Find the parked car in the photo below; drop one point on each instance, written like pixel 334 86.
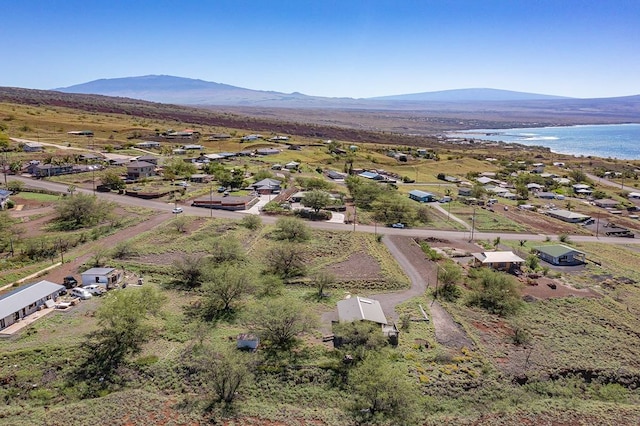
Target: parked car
pixel 80 293
pixel 177 210
pixel 95 289
pixel 445 199
pixel 221 189
pixel 69 282
pixel 398 225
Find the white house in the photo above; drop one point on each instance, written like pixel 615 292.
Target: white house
pixel 26 300
pixel 107 277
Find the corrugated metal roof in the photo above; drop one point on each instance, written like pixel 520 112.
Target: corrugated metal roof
pixel 98 271
pixel 557 250
pixel 360 308
pixel 498 257
pixel 25 296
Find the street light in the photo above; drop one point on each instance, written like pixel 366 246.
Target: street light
pixel 473 223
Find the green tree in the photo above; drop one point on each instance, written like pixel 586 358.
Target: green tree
pixel 251 222
pixel 578 175
pixel 363 192
pixel 381 392
pixel 227 249
pixel 391 208
pixel 286 260
pixel 176 168
pixel 532 262
pixel 224 287
pixel 112 180
pixel 449 274
pixel 225 372
pixel 292 230
pixel 313 183
pixel 123 329
pixel 188 271
pixel 80 211
pixel 322 281
pixel 358 338
pixel 478 191
pixel 278 322
pixel 316 200
pixel 496 292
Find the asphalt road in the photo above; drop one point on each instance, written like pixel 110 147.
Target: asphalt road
pixel 413 232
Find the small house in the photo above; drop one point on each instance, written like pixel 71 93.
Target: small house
pixel 148 144
pixel 421 196
pixel 568 216
pixel 192 147
pixel 560 255
pixel 200 178
pixel 292 165
pixel 48 170
pixel 32 147
pixel 107 277
pixel 371 175
pixel 465 192
pixel 267 151
pixel 363 309
pixel 499 260
pixel 546 195
pixel 266 186
pixel 87 133
pixel 606 203
pixel 26 300
pixel 331 174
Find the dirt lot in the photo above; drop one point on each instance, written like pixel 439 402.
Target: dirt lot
pixel 539 222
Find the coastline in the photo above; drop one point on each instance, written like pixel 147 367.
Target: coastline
pixel 619 141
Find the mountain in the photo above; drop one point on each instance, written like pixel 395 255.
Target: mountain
pixel 178 90
pixel 469 95
pixel 186 91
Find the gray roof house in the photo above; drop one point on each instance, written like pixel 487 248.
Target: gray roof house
pixel 140 169
pixel 363 309
pixel 266 186
pixel 107 277
pixel 560 255
pixel 26 300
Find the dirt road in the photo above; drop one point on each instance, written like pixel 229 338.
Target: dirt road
pixel 422 273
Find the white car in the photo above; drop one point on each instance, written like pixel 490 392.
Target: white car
pixel 95 289
pixel 80 293
pixel 177 210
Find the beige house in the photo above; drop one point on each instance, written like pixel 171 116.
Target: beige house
pixel 140 169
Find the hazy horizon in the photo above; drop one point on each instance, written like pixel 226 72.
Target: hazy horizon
pixel 356 49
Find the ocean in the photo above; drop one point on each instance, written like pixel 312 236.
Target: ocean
pixel 607 141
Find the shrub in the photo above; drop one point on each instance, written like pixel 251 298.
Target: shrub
pixel 497 292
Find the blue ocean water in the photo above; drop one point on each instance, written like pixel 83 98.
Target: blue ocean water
pixel 608 141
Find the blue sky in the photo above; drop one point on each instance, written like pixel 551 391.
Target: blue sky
pixel 352 48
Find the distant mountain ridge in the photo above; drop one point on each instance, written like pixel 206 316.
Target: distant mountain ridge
pixel 187 91
pixel 460 95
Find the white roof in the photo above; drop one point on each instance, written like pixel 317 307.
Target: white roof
pixel 498 257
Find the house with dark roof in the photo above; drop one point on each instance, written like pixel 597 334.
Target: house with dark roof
pixel 266 186
pixel 421 196
pixel 560 255
pixel 27 300
pixel 47 170
pixel 606 203
pixel 149 159
pixel 226 202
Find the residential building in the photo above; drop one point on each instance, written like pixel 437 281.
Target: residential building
pixel 363 309
pixel 500 260
pixel 140 169
pixel 560 255
pixel 32 147
pixel 26 300
pixel 421 196
pixel 107 277
pixel 568 216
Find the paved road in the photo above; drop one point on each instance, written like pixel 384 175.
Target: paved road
pixel 413 232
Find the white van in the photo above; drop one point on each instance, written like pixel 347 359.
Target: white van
pixel 81 293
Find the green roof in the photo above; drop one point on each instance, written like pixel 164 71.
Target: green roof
pixel 556 250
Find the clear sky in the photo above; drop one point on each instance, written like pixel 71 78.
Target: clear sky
pixel 352 48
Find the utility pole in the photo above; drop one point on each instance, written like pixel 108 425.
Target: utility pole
pixel 355 216
pixel 211 201
pixel 473 223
